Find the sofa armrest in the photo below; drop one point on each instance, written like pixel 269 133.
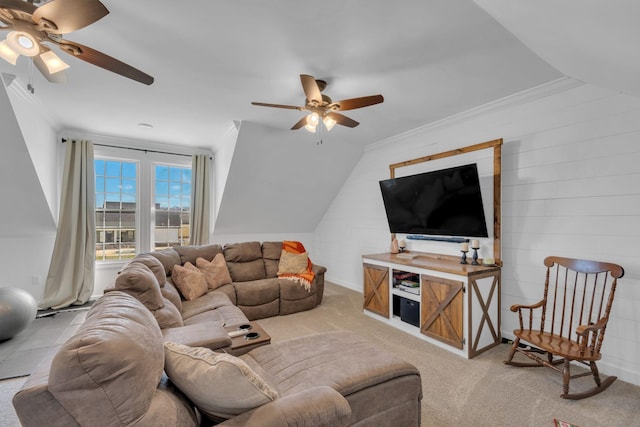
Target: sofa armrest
pixel 318 406
pixel 319 281
pixel 198 335
pixel 318 269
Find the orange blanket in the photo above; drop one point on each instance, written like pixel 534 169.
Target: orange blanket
pixel 304 278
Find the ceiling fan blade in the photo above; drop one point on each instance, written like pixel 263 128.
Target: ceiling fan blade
pixel 343 120
pixel 289 107
pixel 70 15
pixel 299 123
pixel 311 89
pixel 105 61
pixel 353 103
pixel 18 5
pixel 59 77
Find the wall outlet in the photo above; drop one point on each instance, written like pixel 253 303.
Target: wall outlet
pixel 35 280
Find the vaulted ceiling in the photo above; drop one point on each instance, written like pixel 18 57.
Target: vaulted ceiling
pixel 210 59
pixel 430 59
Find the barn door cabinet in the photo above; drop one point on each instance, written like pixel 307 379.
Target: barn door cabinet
pixel 454 306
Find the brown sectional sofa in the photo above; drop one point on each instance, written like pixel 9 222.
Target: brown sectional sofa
pixel 111 372
pixel 120 368
pixel 255 289
pixel 254 292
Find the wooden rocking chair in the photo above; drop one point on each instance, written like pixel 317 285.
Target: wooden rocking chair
pixel 573 318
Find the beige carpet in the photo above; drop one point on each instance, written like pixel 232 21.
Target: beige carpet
pixel 456 391
pixel 459 392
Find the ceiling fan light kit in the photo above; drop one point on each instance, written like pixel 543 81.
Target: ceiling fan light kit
pixel 23 43
pixel 329 123
pixel 30 27
pixel 312 122
pixel 53 62
pixel 321 107
pixel 8 54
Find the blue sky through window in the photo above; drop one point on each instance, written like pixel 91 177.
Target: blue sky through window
pixel 173 187
pixel 115 181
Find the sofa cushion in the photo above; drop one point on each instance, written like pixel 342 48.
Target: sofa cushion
pixel 191 253
pixel 293 263
pixel 230 291
pixel 213 318
pixel 257 292
pixel 138 281
pixel 114 361
pixel 220 385
pixel 242 252
pixel 271 250
pixel 170 292
pixel 232 315
pixel 262 311
pixel 189 281
pixel 342 360
pixel 247 271
pixel 295 298
pixel 271 257
pixel 168 257
pixel 169 407
pixel 207 302
pixel 215 271
pixel 154 265
pixel 168 316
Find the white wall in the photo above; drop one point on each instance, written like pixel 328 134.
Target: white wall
pixel 571 167
pixel 25 262
pixel 222 163
pixel 281 181
pixel 39 133
pixel 28 189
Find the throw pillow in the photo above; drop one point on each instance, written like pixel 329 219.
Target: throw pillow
pixel 219 384
pixel 189 281
pixel 215 271
pixel 293 263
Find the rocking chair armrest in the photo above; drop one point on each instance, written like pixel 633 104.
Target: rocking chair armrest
pixel 584 330
pixel 518 307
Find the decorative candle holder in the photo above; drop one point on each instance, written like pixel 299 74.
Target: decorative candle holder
pixel 463 260
pixel 475 256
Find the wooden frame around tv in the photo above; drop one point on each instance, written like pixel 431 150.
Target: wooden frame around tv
pixel 496 145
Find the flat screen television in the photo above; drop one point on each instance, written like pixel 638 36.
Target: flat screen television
pixel 446 202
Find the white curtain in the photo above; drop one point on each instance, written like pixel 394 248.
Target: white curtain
pixel 72 270
pixel 200 199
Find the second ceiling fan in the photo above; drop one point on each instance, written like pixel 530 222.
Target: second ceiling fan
pixel 322 108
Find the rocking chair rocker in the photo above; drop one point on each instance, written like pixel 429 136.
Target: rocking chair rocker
pixel 577 299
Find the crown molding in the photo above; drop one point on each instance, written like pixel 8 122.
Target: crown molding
pixel 542 91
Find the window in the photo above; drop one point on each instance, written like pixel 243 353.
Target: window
pixel 143 202
pixel 116 195
pixel 172 206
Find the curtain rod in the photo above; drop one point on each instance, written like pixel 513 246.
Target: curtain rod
pixel 137 149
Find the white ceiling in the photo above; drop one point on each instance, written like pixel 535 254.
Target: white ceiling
pixel 590 40
pixel 210 59
pixel 431 59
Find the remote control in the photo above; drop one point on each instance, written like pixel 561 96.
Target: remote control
pixel 238 333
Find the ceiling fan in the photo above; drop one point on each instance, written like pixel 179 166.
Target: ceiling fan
pixel 322 108
pixel 31 27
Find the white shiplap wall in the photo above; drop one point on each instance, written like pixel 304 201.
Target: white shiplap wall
pixel 571 187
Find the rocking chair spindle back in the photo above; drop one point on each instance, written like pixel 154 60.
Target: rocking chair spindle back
pixel 573 313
